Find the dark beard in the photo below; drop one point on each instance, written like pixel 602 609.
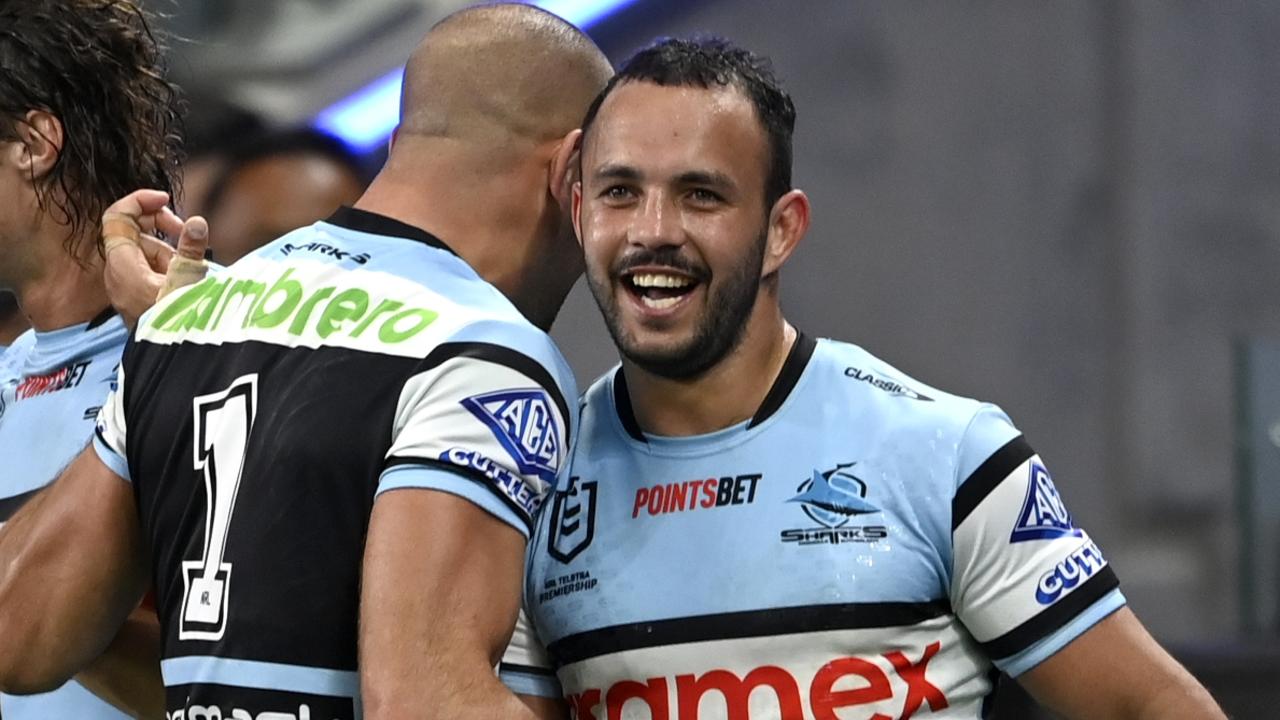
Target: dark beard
pixel 719 331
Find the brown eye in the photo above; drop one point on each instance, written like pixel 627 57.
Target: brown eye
pixel 703 196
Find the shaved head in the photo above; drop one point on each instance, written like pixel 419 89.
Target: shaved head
pixel 500 74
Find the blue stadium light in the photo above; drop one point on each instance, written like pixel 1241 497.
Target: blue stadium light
pixel 583 13
pixel 366 118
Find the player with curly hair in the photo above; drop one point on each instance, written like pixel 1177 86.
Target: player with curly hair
pixel 86 115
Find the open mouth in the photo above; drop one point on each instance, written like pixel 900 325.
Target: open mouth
pixel 659 290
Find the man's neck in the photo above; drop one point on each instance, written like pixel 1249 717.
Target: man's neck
pixel 63 291
pixel 727 394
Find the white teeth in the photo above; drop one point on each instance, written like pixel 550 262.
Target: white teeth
pixel 656 280
pixel 659 303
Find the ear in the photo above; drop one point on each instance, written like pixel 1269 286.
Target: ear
pixel 576 211
pixel 564 168
pixel 40 134
pixel 788 222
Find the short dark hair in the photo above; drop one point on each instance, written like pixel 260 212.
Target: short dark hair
pixel 708 62
pixel 277 143
pixel 97 67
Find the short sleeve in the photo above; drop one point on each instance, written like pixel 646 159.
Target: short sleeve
pixel 110 431
pixel 490 425
pixel 525 668
pixel 1026 579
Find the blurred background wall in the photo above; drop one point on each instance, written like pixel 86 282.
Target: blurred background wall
pixel 1071 209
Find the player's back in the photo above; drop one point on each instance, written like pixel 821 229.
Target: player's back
pixel 265 407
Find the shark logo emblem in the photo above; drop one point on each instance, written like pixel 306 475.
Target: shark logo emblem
pixel 833 497
pixel 573 520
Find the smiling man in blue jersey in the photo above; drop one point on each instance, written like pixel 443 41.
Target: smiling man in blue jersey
pixel 85 115
pixel 761 524
pixel 328 457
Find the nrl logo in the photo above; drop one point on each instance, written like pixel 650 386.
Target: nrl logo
pixel 573 520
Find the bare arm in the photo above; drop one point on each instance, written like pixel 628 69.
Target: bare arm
pixel 440 594
pixel 72 567
pixel 1116 670
pixel 127 675
pixel 546 708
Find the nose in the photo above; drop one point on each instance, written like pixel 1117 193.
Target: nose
pixel 656 222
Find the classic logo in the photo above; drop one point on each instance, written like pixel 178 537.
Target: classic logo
pixel 892 387
pixel 573 520
pixel 1044 516
pixel 524 422
pixel 832 499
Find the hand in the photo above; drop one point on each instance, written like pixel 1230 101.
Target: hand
pixel 137 261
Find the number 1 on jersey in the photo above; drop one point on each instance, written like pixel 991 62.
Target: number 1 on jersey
pixel 222 424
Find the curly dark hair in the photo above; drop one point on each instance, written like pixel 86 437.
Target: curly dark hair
pixel 706 62
pixel 97 66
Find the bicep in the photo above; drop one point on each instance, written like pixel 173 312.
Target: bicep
pixel 545 708
pixel 1113 670
pixel 440 593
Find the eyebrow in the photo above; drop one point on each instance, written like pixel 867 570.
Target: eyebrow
pixel 705 177
pixel 689 177
pixel 617 172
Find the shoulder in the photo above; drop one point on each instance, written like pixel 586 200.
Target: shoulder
pixel 909 408
pixel 598 411
pixel 13 356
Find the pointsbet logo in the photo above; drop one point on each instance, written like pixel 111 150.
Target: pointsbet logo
pixel 289 307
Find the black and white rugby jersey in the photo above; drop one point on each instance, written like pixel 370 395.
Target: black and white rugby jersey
pixel 261 411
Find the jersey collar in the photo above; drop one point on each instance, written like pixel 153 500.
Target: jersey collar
pixel 797 360
pixel 376 224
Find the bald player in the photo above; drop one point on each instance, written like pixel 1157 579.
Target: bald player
pixel 328 457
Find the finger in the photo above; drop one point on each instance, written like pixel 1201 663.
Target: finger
pixel 157 252
pixel 194 240
pixel 167 222
pixel 131 284
pixel 188 267
pixel 139 203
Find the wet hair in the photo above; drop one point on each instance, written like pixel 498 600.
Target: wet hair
pixel 279 143
pixel 97 66
pixel 709 62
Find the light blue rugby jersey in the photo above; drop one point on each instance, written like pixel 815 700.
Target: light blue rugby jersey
pixel 51 386
pixel 865 546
